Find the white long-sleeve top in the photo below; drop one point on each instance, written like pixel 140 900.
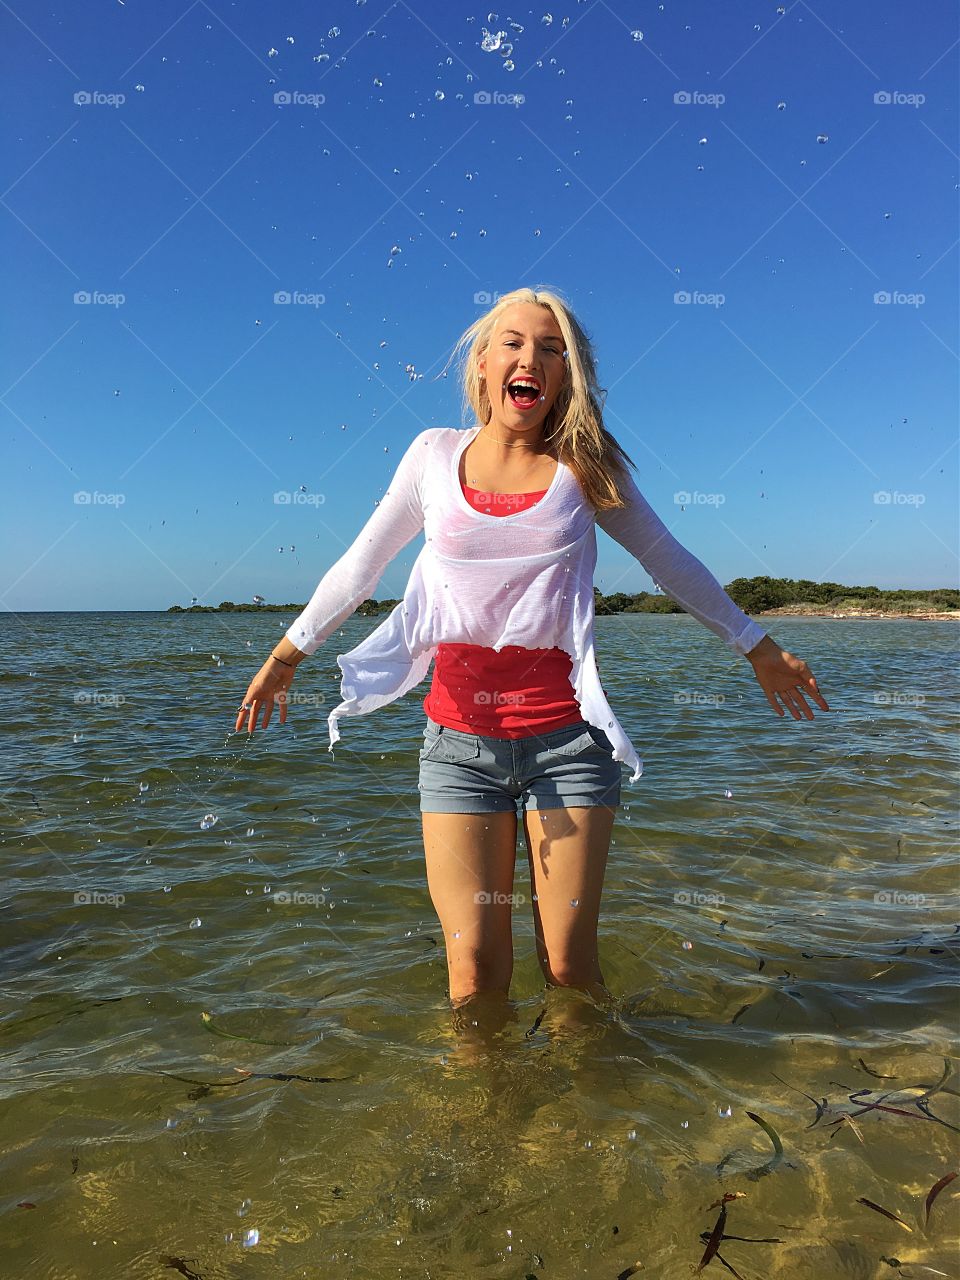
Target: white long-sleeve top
pixel 524 579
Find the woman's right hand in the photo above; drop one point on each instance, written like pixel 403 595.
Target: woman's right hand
pixel 268 686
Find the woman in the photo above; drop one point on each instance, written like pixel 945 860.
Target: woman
pixel 502 597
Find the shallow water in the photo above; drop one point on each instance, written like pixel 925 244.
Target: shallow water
pixel 812 867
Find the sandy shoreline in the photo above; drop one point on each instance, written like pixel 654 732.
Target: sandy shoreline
pixel 798 611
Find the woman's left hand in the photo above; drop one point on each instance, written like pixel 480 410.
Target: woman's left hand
pixel 781 675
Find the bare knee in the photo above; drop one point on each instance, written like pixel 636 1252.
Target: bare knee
pixel 475 969
pixel 571 970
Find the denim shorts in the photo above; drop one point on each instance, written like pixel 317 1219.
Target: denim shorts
pixel 468 773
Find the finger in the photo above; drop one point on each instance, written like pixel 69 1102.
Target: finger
pixel 814 693
pixel 267 709
pixel 773 702
pixel 801 702
pixel 788 702
pixel 252 721
pixel 283 707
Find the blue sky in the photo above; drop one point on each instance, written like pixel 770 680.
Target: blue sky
pixel 183 185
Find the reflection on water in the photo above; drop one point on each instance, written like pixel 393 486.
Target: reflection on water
pixel 777 930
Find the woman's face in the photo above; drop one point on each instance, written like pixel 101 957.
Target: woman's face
pixel 526 344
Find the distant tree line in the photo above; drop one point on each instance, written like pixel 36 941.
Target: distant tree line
pixel 753 595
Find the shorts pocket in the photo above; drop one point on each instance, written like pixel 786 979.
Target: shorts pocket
pixel 588 740
pixel 451 746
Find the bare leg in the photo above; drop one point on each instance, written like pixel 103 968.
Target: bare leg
pixel 470 867
pixel 567 851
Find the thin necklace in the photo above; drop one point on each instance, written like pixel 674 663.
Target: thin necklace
pixel 520 444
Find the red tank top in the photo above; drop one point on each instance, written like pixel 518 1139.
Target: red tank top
pixel 501 695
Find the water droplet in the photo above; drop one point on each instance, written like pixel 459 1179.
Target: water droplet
pixel 457 934
pixel 728 794
pixel 439 95
pixel 781 106
pixel 144 786
pixel 77 737
pixel 508 65
pixel 244 1209
pixel 637 36
pixel 574 902
pixel 208 820
pixel 632 1135
pixel 251 1238
pixel 195 922
pixel 726 1111
pixel 547 19
pixel 823 137
pixel 702 142
pixel 687 946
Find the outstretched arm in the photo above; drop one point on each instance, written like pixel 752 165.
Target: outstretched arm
pixel 352 579
pixel 397 519
pixel 676 570
pixel 686 580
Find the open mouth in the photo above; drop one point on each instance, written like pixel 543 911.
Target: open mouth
pixel 524 392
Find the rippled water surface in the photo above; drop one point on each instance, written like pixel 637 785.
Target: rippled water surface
pixel 812 868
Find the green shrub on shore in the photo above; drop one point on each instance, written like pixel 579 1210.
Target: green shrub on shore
pixel 753 595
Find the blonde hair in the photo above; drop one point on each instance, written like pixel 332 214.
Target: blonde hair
pixel 574 425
